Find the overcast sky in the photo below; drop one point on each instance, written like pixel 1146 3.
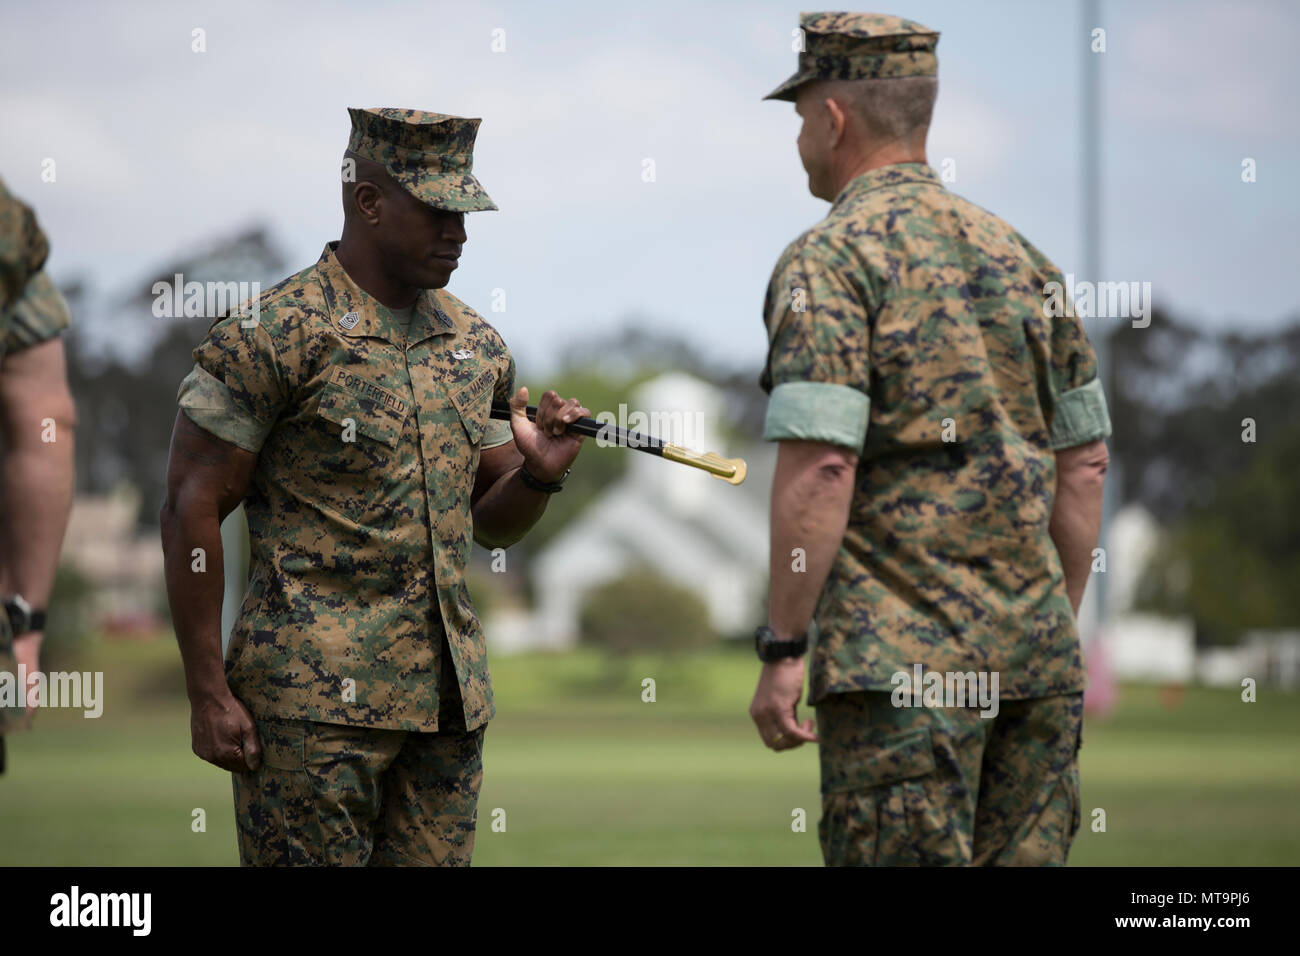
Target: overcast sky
pixel 159 149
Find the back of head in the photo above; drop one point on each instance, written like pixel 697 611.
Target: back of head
pixel 887 110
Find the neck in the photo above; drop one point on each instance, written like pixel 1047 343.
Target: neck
pixel 850 167
pixel 362 262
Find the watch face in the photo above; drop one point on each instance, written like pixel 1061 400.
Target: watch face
pixel 769 648
pixel 20 614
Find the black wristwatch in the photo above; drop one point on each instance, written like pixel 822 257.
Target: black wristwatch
pixel 770 649
pixel 23 618
pixel 535 483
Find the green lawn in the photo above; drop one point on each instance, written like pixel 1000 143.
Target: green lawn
pixel 587 777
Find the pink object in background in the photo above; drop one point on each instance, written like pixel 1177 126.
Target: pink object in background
pixel 1102 693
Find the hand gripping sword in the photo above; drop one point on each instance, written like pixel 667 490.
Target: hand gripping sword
pixel 730 470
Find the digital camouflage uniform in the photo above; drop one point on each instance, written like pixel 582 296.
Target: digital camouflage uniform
pixel 909 326
pixel 357 648
pixel 23 250
pixel 31 312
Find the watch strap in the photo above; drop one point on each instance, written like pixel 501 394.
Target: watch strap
pixel 535 483
pixel 770 649
pixel 23 618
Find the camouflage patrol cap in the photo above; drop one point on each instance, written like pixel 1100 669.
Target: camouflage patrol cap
pixel 860 46
pixel 430 155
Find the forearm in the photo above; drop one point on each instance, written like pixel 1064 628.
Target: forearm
pixel 505 508
pixel 507 511
pixel 810 509
pixel 1075 527
pixel 195 595
pixel 38 488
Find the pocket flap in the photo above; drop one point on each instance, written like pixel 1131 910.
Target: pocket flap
pixel 372 418
pixel 474 403
pixel 283 743
pixel 878 763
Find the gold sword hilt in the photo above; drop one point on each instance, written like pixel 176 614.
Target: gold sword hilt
pixel 730 470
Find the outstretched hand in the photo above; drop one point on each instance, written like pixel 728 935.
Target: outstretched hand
pixel 547 448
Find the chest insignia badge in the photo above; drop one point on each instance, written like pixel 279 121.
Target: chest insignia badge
pixel 350 320
pixel 462 353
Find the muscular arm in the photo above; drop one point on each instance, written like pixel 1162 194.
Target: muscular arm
pixel 206 479
pixel 38 474
pixel 1076 513
pixel 504 508
pixel 811 495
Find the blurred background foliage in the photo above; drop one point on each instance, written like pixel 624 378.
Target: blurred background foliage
pixel 645 625
pixel 1180 399
pixel 69 628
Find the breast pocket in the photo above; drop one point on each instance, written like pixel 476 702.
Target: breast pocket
pixel 353 457
pixel 473 404
pixel 358 417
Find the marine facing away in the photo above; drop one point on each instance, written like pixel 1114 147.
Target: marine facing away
pixel 940 469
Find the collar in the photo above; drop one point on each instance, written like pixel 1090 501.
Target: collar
pixel 895 174
pixel 354 312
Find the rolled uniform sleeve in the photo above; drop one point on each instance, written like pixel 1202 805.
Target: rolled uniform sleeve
pixel 23 248
pixel 498 432
pixel 1079 414
pixel 40 314
pixel 817 372
pixel 238 385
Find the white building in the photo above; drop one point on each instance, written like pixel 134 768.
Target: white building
pixel 686 525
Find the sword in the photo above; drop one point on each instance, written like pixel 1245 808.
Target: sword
pixel 730 470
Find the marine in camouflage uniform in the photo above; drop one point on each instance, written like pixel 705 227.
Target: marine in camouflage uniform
pixel 23 248
pixel 32 311
pixel 909 326
pixel 357 649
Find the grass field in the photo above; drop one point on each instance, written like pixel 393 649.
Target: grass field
pixel 588 777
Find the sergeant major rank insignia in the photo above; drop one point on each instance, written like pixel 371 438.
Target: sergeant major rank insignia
pixel 350 320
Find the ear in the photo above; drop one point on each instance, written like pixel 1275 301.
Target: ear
pixel 367 198
pixel 839 122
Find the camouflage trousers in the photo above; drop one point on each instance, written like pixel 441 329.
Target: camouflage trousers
pixel 336 795
pixel 946 787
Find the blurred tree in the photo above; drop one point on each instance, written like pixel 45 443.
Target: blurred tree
pixel 67 627
pixel 643 618
pixel 125 415
pixel 636 350
pixel 642 611
pixel 125 407
pixel 1232 563
pixel 1177 400
pixel 596 468
pixel 484 591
